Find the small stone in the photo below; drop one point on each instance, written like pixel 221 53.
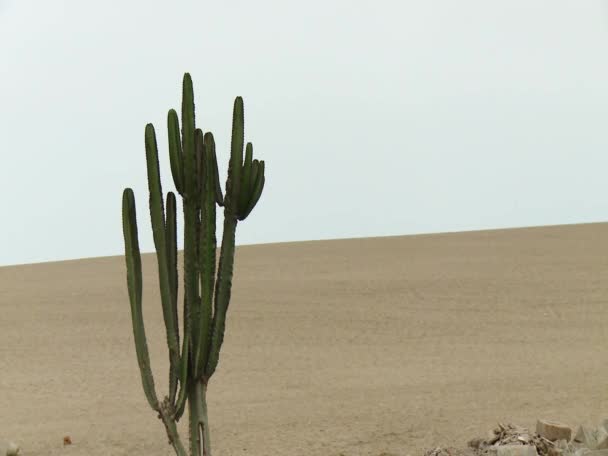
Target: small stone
pixel 12 449
pixel 476 443
pixel 516 450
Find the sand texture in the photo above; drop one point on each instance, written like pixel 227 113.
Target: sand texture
pixel 389 345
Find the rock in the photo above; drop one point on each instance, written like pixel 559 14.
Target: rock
pixel 516 450
pixel 585 435
pixel 476 442
pixel 12 449
pixel 555 452
pixel 553 431
pixel 589 452
pixel 602 439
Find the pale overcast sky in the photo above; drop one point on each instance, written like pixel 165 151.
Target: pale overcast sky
pixel 374 118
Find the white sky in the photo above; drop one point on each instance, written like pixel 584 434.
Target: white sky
pixel 374 118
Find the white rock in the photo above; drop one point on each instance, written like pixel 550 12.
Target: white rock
pixel 12 449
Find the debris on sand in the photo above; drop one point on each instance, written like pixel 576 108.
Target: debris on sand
pixel 549 439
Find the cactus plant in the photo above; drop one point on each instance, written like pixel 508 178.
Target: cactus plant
pixel 206 295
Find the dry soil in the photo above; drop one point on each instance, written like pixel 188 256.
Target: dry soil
pixel 389 345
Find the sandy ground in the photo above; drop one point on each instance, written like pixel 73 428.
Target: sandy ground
pixel 391 345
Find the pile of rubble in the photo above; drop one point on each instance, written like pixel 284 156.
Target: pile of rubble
pixel 550 439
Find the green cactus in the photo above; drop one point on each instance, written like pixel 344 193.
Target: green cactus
pixel 206 297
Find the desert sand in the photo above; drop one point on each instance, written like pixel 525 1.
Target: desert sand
pixel 388 345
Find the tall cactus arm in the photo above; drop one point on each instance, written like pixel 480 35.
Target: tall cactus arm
pixel 223 287
pixel 188 137
pixel 175 151
pixel 207 255
pixel 134 284
pixel 171 239
pixel 191 220
pixel 224 279
pixel 235 165
pixel 160 242
pixel 199 148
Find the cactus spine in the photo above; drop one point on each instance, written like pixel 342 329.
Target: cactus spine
pixel 206 297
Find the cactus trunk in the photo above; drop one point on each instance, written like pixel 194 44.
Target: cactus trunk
pixel 198 422
pixel 195 175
